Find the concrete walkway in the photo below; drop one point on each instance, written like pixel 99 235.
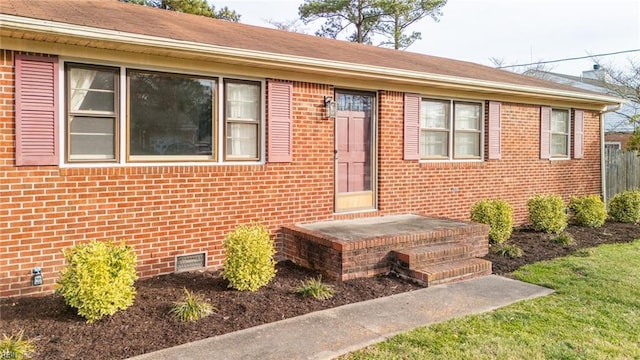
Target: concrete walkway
pixel 330 333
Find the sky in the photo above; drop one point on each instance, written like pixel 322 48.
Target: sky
pixel 514 31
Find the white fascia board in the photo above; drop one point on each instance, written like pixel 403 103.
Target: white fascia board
pixel 92 33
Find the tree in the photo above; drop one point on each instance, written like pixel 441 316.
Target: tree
pixel 363 19
pixel 399 15
pixel 196 7
pixel 341 15
pixel 625 83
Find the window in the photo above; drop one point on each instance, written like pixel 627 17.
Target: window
pixel 170 115
pixel 612 145
pixel 559 133
pixel 242 119
pixel 92 121
pixel 443 131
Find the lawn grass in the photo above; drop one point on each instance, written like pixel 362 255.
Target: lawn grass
pixel 594 314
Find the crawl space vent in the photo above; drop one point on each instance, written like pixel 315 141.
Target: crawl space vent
pixel 191 262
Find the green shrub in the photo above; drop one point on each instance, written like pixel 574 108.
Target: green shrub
pixel 588 210
pixel 625 207
pixel 15 347
pixel 507 250
pixel 315 288
pixel 249 262
pixel 498 214
pixel 192 307
pixel 98 279
pixel 564 239
pixel 547 213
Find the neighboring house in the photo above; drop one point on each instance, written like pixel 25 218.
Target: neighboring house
pixel 167 130
pixel 617 127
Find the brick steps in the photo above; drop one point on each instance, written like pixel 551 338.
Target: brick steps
pixel 432 254
pixel 439 264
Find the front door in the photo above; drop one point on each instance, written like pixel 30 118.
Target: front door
pixel 354 148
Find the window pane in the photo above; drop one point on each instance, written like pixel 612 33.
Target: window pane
pixel 170 114
pixel 467 144
pixel 242 140
pixel 467 116
pixel 434 143
pixel 92 90
pixel 434 115
pixel 243 101
pixel 560 121
pixel 559 145
pixel 92 138
pixel 242 112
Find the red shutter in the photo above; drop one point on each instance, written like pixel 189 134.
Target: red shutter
pixel 495 131
pixel 545 132
pixel 36 110
pixel 280 114
pixel 411 127
pixel 578 136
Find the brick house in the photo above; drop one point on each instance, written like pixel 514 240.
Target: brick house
pixel 171 131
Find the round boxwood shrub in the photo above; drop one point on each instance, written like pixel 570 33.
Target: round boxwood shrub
pixel 249 262
pixel 588 210
pixel 98 279
pixel 498 214
pixel 625 207
pixel 546 213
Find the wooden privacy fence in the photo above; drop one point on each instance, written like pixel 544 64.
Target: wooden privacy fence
pixel 622 171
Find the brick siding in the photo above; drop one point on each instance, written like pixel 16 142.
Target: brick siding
pixel 164 211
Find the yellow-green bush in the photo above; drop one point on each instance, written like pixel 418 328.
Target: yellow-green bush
pixel 546 213
pixel 588 210
pixel 249 262
pixel 98 279
pixel 498 214
pixel 625 207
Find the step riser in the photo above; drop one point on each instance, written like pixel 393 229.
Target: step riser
pixel 415 260
pixel 454 273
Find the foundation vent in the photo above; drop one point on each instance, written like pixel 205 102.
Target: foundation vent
pixel 191 262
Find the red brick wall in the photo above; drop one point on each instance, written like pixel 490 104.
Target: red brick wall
pixel 622 138
pixel 448 189
pixel 164 211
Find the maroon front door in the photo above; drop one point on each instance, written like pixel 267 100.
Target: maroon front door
pixel 353 153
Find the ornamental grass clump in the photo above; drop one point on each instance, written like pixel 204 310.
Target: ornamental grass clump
pixel 624 207
pixel 547 213
pixel 16 347
pixel 588 210
pixel 564 239
pixel 315 288
pixel 98 279
pixel 192 307
pixel 498 214
pixel 507 250
pixel 249 263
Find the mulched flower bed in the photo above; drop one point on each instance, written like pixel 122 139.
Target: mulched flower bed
pixel 147 326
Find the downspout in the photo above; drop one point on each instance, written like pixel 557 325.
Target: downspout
pixel 603 167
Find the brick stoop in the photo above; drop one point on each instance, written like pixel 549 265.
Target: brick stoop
pixel 406 243
pixel 439 264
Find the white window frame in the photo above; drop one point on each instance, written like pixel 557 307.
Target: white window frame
pixel 451 157
pixel 566 156
pixel 122 121
pixel 617 145
pixel 69 114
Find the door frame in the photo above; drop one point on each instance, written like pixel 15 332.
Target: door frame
pixel 373 148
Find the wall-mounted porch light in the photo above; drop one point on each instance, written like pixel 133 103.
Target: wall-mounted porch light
pixel 330 107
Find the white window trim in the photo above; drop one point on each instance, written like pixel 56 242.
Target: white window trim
pixel 122 161
pixel 450 158
pixel 616 143
pixel 569 145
